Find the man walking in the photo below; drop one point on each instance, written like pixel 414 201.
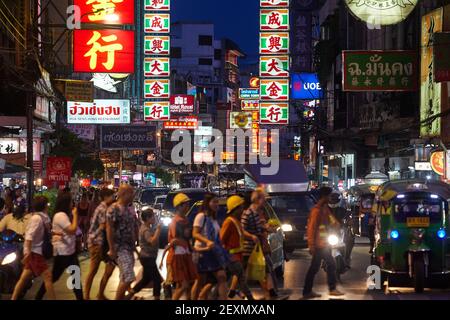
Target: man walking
pixel 121 228
pixel 320 223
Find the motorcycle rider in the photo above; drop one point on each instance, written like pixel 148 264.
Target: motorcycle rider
pixel 344 219
pixel 320 223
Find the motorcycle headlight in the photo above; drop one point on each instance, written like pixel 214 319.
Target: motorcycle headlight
pixel 333 239
pixel 166 221
pixel 9 258
pixel 286 227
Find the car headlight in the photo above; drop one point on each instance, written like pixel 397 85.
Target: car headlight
pixel 333 240
pixel 286 227
pixel 166 221
pixel 9 258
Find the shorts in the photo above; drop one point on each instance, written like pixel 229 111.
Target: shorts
pixel 97 254
pixel 125 262
pixel 36 263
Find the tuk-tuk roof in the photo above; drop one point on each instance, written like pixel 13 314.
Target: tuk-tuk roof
pixel 362 189
pixel 390 189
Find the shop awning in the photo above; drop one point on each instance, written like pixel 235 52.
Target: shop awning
pixel 12 168
pixel 291 177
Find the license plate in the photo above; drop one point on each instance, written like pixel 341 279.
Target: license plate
pixel 418 222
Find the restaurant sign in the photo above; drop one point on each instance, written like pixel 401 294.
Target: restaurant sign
pixel 380 71
pixel 128 137
pixel 99 111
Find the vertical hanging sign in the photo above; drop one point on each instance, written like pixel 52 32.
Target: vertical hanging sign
pixel 157 60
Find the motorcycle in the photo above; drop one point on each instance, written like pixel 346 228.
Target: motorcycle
pixel 11 245
pixel 336 242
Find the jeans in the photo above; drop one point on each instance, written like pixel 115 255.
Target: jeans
pixel 60 264
pixel 150 273
pixel 319 255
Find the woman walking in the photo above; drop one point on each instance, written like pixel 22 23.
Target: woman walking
pixel 83 217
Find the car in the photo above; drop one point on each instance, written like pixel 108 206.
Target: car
pixel 275 239
pixel 146 197
pixel 293 210
pixel 168 211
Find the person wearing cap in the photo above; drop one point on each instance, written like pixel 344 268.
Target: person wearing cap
pixel 179 259
pixel 232 237
pixel 320 221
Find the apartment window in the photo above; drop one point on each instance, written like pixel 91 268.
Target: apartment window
pixel 205 62
pixel 205 40
pixel 176 52
pixel 217 54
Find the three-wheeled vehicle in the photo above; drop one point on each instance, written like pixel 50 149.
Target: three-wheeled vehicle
pixel 412 229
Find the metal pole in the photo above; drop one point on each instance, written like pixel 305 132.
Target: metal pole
pixel 31 100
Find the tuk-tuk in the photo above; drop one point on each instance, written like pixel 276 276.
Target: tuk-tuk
pixel 412 228
pixel 360 200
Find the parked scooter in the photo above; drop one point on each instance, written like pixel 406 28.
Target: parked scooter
pixel 11 248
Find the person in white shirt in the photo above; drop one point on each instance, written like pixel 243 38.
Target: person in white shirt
pixel 34 262
pixel 65 224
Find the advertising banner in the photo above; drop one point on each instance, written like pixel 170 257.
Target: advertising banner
pixel 182 123
pixel 306 86
pixel 157 23
pixel 83 131
pixel 241 120
pixel 59 170
pixel 157 67
pixel 182 103
pixel 78 90
pixel 157 88
pixel 128 137
pixel 106 12
pixel 274 19
pixel 250 93
pixel 103 51
pixel 98 112
pixel 379 70
pixel 249 105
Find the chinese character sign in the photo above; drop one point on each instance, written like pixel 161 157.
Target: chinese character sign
pixel 275 89
pixel 156 67
pixel 274 113
pixel 274 66
pixel 274 43
pixel 156 111
pixel 274 3
pixel 157 23
pixel 157 88
pixel 157 45
pixel 103 51
pixel 157 5
pixel 276 20
pixel 106 11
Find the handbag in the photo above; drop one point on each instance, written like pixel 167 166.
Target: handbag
pixel 47 246
pixel 256 265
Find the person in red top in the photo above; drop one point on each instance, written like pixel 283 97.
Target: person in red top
pixel 232 238
pixel 179 259
pixel 320 223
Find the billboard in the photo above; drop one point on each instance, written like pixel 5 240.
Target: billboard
pixel 182 123
pixel 98 112
pixel 103 51
pixel 381 12
pixel 379 70
pixel 157 67
pixel 157 23
pixel 250 93
pixel 157 88
pixel 306 86
pixel 157 45
pixel 128 137
pixel 274 43
pixel 59 170
pixel 182 103
pixel 274 19
pixel 241 120
pixel 106 12
pixel 430 91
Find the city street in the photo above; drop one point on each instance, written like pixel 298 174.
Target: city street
pixel 353 282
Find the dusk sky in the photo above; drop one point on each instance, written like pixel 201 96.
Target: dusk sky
pixel 234 19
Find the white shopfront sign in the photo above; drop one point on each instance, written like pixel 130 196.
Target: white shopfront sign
pixel 19 145
pixel 99 112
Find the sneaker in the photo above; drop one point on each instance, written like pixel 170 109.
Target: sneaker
pixel 311 295
pixel 336 293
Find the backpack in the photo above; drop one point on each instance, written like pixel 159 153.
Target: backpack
pixel 47 246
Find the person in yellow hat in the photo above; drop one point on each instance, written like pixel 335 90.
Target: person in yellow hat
pixel 232 238
pixel 179 260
